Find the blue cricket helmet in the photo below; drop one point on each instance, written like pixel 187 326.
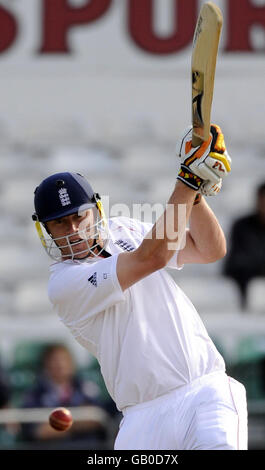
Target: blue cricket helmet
pixel 62 194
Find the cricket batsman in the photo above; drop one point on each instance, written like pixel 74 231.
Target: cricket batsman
pixel 110 287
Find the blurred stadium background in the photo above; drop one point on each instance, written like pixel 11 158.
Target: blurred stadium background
pixel 104 99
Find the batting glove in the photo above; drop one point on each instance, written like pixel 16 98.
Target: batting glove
pixel 210 189
pixel 207 189
pixel 208 163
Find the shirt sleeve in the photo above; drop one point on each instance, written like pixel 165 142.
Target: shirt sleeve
pixel 82 290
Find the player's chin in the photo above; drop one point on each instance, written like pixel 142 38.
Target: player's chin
pixel 82 255
pixel 81 251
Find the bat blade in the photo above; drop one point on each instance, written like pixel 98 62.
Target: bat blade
pixel 203 64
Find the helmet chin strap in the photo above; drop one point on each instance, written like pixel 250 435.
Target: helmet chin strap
pixel 99 205
pixel 103 252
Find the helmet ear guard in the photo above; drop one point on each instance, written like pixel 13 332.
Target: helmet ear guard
pixel 40 233
pixel 99 205
pixel 39 229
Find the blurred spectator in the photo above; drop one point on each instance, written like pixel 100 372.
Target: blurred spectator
pixel 8 432
pixel 58 385
pixel 246 257
pixel 263 375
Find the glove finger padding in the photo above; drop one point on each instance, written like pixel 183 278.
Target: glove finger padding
pixel 219 163
pixel 206 172
pixel 210 189
pixel 188 154
pixel 218 141
pixel 218 159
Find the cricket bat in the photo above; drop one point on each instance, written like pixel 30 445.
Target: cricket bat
pixel 203 64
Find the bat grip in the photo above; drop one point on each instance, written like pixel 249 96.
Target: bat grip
pixel 196 141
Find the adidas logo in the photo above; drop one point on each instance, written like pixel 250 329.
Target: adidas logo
pixel 93 279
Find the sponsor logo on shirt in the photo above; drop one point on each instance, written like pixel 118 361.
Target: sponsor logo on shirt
pixel 124 245
pixel 93 279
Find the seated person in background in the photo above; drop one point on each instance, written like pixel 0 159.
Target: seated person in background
pixel 8 431
pixel 246 257
pixel 58 386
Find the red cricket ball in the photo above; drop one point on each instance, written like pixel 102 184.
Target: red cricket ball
pixel 61 419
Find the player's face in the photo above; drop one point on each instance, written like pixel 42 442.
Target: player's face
pixel 80 232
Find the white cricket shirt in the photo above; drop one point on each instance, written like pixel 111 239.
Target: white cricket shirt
pixel 148 339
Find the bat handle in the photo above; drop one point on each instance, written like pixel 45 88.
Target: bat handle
pixel 196 141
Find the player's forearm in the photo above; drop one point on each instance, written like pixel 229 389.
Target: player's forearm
pixel 169 229
pixel 158 247
pixel 207 233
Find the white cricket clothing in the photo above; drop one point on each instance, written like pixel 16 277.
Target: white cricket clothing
pixel 209 413
pixel 149 339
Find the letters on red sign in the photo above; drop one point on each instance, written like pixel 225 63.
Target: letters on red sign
pixel 142 31
pixel 242 15
pixel 59 17
pixel 8 28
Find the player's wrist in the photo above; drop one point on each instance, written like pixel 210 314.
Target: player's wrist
pixel 186 176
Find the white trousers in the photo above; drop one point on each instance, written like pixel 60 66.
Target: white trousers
pixel 208 414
